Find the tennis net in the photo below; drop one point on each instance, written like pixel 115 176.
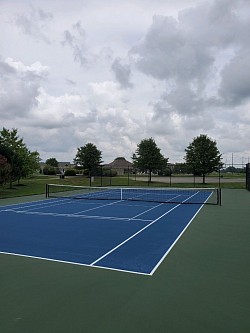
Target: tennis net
pixel 161 195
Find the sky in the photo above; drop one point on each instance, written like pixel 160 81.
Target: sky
pixel 113 73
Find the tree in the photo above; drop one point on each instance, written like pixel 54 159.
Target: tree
pixel 148 157
pixel 88 157
pixel 5 170
pixel 22 161
pixel 52 162
pixel 32 163
pixel 203 156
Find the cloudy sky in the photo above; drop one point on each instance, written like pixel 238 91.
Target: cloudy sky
pixel 114 72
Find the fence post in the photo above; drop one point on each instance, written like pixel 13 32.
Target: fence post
pixel 219 176
pixel 248 176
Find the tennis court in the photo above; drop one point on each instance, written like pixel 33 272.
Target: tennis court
pixel 202 285
pixel 131 230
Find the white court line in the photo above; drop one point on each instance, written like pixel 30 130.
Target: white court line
pixel 153 207
pixel 134 217
pixel 22 203
pixel 93 208
pixel 138 232
pixel 179 236
pixel 73 263
pixel 75 216
pixel 109 268
pixel 173 244
pixel 43 203
pixel 56 203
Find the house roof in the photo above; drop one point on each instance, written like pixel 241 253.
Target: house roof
pixel 120 162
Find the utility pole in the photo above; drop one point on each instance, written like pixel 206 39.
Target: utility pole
pixel 232 163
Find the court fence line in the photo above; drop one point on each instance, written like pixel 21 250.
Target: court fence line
pixel 174 174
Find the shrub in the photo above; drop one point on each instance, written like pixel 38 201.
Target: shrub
pixel 109 173
pixel 47 170
pixel 70 172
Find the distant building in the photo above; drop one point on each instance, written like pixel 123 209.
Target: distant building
pixel 120 165
pixel 61 165
pixel 65 165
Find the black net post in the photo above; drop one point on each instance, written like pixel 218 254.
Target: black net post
pixel 110 177
pixel 248 176
pixel 46 191
pixel 101 174
pixel 219 196
pixel 219 175
pixel 194 177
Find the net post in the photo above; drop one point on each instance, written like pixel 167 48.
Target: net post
pixel 121 193
pixel 46 191
pixel 219 196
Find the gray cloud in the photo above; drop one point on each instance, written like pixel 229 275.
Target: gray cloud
pixel 76 40
pixel 122 73
pixel 19 87
pixel 235 84
pixel 184 53
pixel 33 23
pixel 167 53
pixel 70 82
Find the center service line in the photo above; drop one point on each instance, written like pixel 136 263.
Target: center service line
pixel 126 240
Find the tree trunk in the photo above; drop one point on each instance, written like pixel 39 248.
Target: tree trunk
pixel 204 178
pixel 150 176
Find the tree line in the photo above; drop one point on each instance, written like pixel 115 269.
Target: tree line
pixel 17 161
pixel 202 157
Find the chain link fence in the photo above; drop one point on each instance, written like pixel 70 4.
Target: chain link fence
pixel 178 174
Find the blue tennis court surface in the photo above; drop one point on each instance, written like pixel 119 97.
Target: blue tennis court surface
pixel 113 234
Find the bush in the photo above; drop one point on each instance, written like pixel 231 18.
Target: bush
pixel 70 172
pixel 47 170
pixel 85 172
pixel 109 173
